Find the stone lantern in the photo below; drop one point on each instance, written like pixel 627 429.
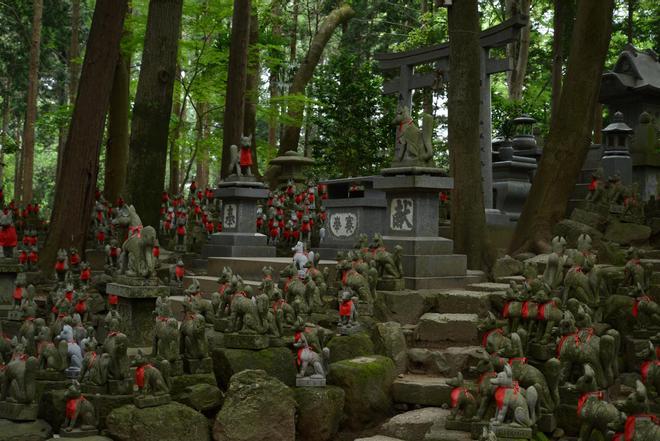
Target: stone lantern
pixel 524 141
pixel 616 153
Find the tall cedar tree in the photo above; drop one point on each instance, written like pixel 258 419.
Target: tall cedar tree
pixel 27 155
pixel 568 140
pixel 74 195
pixel 252 88
pixel 236 81
pixel 467 199
pixel 147 157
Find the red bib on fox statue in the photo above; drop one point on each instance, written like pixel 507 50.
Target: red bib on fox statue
pixel 245 159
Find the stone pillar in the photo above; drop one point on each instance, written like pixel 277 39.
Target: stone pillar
pixel 239 237
pixel 412 223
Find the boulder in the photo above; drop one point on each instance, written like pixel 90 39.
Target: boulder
pixel 434 327
pixel 38 430
pixel 507 266
pixel 345 347
pixel 320 410
pixel 590 218
pixel 180 383
pixel 445 362
pixel 389 341
pixel 378 438
pixel 170 422
pixel 627 234
pixel 413 425
pixel 571 230
pixel 257 407
pixel 202 397
pixel 277 362
pixel 405 307
pixel 437 432
pixel 367 382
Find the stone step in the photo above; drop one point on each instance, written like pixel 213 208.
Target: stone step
pixel 446 282
pixel 208 284
pixel 506 279
pixel 458 328
pixel 655 263
pixel 461 300
pixel 422 390
pixel 250 267
pixel 446 362
pixel 488 286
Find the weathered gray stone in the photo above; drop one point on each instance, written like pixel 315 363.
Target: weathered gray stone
pixel 422 390
pixel 457 301
pixel 405 307
pixel 201 397
pixel 589 218
pixel 320 411
pixel 277 362
pixel 170 422
pixel 87 438
pixel 437 432
pixel 434 327
pixel 413 425
pixel 257 407
pixel 350 346
pixel 367 382
pixel 378 438
pixel 571 230
pixel 507 266
pixel 38 430
pixel 390 341
pixel 627 234
pixel 446 362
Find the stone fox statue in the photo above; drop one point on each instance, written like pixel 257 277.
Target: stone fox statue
pixel 413 146
pixel 136 258
pixel 79 412
pixel 18 379
pixel 514 404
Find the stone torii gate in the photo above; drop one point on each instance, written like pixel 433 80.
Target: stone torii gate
pixel 438 56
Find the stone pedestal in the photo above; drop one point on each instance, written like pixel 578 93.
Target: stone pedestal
pixel 8 270
pixel 310 382
pixel 78 433
pixel 351 213
pixel 349 329
pixel 18 412
pixel 412 223
pixel 142 401
pixel 239 237
pixel 137 300
pixel 512 180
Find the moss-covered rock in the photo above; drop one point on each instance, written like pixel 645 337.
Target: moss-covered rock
pixel 180 383
pixel 277 362
pixel 320 410
pixel 171 422
pixel 203 397
pixel 627 234
pixel 257 407
pixel 38 430
pixel 389 340
pixel 345 347
pixel 367 382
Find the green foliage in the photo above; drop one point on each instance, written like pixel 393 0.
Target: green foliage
pixel 354 135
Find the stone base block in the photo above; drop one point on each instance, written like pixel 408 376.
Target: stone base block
pixel 547 422
pixel 136 288
pixel 142 401
pixel 72 373
pixel 506 432
pixel 390 285
pixel 120 387
pixel 246 341
pixel 349 329
pixel 238 251
pixel 78 433
pixel 477 429
pixel 420 245
pixel 461 425
pixel 14 315
pixel 310 382
pixel 198 366
pixel 365 308
pixel 176 368
pixel 92 389
pixel 42 375
pixel 276 342
pixel 434 265
pixel 18 412
pixel 221 324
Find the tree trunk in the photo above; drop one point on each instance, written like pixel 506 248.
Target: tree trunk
pixel 202 159
pixel 568 140
pixel 18 176
pixel 237 72
pixel 62 131
pixel 252 88
pixel 519 50
pixel 74 51
pixel 559 26
pixel 74 194
pixel 598 124
pixel 147 156
pixel 468 217
pixel 6 113
pixel 179 109
pixel 630 25
pixel 291 134
pixel 116 150
pixel 27 157
pixel 273 77
pixel 293 39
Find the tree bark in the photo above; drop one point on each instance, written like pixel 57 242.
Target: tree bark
pixel 116 150
pixel 519 50
pixel 74 51
pixel 237 72
pixel 291 135
pixel 202 159
pixel 74 194
pixel 293 39
pixel 179 109
pixel 568 140
pixel 630 25
pixel 252 88
pixel 273 87
pixel 27 156
pixel 6 113
pixel 147 156
pixel 18 176
pixel 559 26
pixel 467 199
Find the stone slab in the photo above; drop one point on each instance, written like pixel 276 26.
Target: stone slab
pixel 488 286
pixel 137 292
pixel 143 401
pixel 506 431
pixel 310 382
pixel 421 390
pixel 234 190
pixel 459 301
pixel 211 251
pixel 434 265
pixel 195 366
pixel 18 412
pixel 435 327
pixel 416 182
pixel 242 239
pixel 420 245
pixel 78 433
pixel 349 330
